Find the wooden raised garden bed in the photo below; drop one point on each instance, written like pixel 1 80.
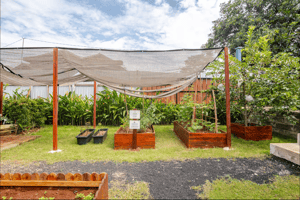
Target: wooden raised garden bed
pixel 201 140
pixel 123 140
pixel 85 136
pixel 254 133
pixel 100 136
pixel 7 129
pixel 60 186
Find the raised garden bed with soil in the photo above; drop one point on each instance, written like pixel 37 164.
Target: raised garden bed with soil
pixel 9 141
pixel 200 139
pixel 60 186
pixel 252 132
pixel 100 136
pixel 145 140
pixel 85 136
pixel 7 129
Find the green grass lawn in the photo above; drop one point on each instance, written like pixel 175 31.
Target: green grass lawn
pixel 286 187
pixel 167 147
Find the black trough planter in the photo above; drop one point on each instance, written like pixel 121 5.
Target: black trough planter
pixel 85 139
pixel 101 138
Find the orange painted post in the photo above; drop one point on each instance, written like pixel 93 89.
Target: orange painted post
pixel 227 88
pixel 95 91
pixel 1 100
pixel 55 103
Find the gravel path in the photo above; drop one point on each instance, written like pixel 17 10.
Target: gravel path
pixel 171 180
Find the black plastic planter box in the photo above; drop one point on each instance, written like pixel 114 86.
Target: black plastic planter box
pixel 100 139
pixel 86 139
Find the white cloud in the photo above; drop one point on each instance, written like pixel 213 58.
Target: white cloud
pixel 141 26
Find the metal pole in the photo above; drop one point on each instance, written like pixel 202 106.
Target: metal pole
pixel 1 101
pixel 55 103
pixel 228 121
pixel 95 91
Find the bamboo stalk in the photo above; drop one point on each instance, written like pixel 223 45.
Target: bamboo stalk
pixel 215 106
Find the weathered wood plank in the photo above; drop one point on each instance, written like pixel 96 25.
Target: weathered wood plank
pixel 50 183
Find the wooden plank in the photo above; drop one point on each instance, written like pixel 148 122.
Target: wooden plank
pixel 102 192
pixel 78 177
pixel 95 177
pixel 35 176
pixel 17 176
pixel 26 176
pixel 7 176
pixel 43 176
pixel 50 183
pixel 86 177
pixel 69 177
pixel 52 177
pixel 61 177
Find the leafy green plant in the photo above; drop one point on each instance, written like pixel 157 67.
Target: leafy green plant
pixel 81 196
pixel 264 84
pixel 46 198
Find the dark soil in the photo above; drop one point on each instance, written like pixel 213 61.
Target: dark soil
pixel 172 180
pixel 38 192
pixel 85 133
pixel 100 133
pixel 130 131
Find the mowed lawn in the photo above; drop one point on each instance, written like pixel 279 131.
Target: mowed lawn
pixel 167 147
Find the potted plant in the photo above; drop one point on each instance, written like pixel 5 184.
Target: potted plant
pixel 145 135
pixel 85 136
pixel 262 85
pixel 200 132
pixel 100 135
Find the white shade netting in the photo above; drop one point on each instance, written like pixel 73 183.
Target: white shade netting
pixel 117 70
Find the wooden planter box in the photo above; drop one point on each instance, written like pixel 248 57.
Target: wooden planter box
pixel 84 140
pixel 201 140
pixel 7 129
pixel 254 133
pixel 144 140
pixel 56 181
pixel 101 138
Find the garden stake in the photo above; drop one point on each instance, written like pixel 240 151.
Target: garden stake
pixel 126 103
pixel 216 118
pixel 95 90
pixel 1 101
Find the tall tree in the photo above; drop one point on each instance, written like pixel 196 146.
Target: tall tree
pixel 278 17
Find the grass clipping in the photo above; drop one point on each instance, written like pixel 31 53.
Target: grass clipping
pixel 121 190
pixel 286 187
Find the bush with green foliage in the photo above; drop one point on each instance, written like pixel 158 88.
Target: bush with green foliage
pixel 263 84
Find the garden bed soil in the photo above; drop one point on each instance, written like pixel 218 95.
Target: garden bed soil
pixel 85 133
pixel 38 192
pixel 145 140
pixel 14 140
pixel 100 133
pixel 200 139
pixel 253 132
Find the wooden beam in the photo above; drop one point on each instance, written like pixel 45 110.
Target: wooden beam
pixel 227 88
pixel 95 92
pixel 1 100
pixel 50 183
pixel 55 103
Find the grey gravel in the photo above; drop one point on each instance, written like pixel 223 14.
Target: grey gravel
pixel 171 180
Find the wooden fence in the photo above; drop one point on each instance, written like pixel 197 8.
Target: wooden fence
pixel 204 84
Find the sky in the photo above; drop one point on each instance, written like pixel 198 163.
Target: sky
pixel 108 24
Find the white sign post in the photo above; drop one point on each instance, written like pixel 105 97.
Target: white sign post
pixel 134 124
pixel 134 114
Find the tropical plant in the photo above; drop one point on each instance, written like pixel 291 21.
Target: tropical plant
pixel 263 84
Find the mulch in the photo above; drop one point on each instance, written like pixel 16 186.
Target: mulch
pixel 171 179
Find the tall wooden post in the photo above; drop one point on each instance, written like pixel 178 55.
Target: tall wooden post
pixel 55 103
pixel 95 91
pixel 1 101
pixel 227 88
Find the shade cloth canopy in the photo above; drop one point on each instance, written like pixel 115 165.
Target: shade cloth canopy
pixel 118 70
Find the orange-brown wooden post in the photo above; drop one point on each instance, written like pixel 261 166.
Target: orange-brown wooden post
pixel 227 88
pixel 1 101
pixel 55 103
pixel 95 91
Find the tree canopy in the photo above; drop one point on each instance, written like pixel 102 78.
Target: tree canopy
pixel 278 17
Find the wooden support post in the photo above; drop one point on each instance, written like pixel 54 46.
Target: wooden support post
pixel 216 117
pixel 1 101
pixel 227 88
pixel 55 103
pixel 95 93
pixel 134 137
